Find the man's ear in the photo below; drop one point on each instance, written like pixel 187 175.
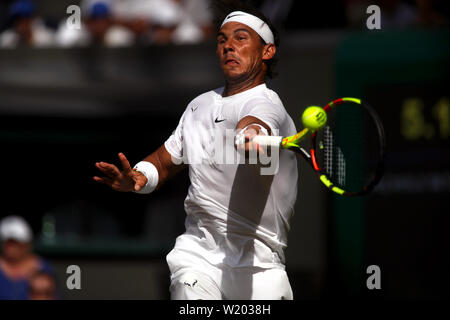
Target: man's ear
pixel 269 51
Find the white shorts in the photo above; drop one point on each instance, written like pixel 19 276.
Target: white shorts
pixel 230 284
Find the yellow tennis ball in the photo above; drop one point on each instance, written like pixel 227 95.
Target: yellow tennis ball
pixel 314 118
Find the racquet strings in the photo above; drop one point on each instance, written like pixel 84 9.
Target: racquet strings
pixel 347 150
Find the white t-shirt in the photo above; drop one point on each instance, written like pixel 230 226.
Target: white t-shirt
pixel 237 213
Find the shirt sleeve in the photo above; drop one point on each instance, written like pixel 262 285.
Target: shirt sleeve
pixel 174 144
pixel 271 114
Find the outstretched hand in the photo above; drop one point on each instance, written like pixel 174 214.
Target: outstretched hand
pixel 126 180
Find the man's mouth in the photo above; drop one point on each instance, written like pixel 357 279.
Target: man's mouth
pixel 231 61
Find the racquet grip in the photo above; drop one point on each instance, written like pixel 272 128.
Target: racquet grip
pixel 268 141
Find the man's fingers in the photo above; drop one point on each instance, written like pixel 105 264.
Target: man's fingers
pixel 249 145
pixel 250 133
pixel 139 185
pixel 104 180
pixel 125 164
pixel 140 181
pixel 259 148
pixel 109 169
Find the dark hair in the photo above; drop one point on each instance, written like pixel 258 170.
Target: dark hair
pixel 222 8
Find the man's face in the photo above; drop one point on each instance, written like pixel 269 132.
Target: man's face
pixel 42 287
pixel 240 50
pixel 14 250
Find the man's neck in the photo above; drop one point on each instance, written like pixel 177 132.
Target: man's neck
pixel 235 87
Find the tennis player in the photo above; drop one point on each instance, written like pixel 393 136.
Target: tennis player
pixel 237 218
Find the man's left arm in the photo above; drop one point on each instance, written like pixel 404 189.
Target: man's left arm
pixel 258 117
pixel 249 127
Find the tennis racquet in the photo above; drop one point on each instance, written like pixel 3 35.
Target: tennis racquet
pixel 347 153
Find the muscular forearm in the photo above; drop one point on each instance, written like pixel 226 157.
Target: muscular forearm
pixel 248 121
pixel 162 160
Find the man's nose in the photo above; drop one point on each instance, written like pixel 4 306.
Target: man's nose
pixel 228 46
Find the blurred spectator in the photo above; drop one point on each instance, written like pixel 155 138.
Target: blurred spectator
pixel 17 262
pixel 42 287
pixel 99 27
pixel 118 23
pixel 25 28
pixel 125 22
pixel 103 28
pixel 162 21
pixel 195 24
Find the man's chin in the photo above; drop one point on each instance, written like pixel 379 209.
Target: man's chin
pixel 233 75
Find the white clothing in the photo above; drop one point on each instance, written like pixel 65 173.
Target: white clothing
pixel 236 216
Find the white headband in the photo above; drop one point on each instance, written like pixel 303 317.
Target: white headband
pixel 253 22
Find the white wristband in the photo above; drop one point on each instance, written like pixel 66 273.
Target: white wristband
pixel 151 173
pixel 268 141
pixel 240 138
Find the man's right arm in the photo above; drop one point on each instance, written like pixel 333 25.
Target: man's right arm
pixel 159 170
pixel 162 160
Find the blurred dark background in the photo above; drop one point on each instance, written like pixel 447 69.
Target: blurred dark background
pixel 70 98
